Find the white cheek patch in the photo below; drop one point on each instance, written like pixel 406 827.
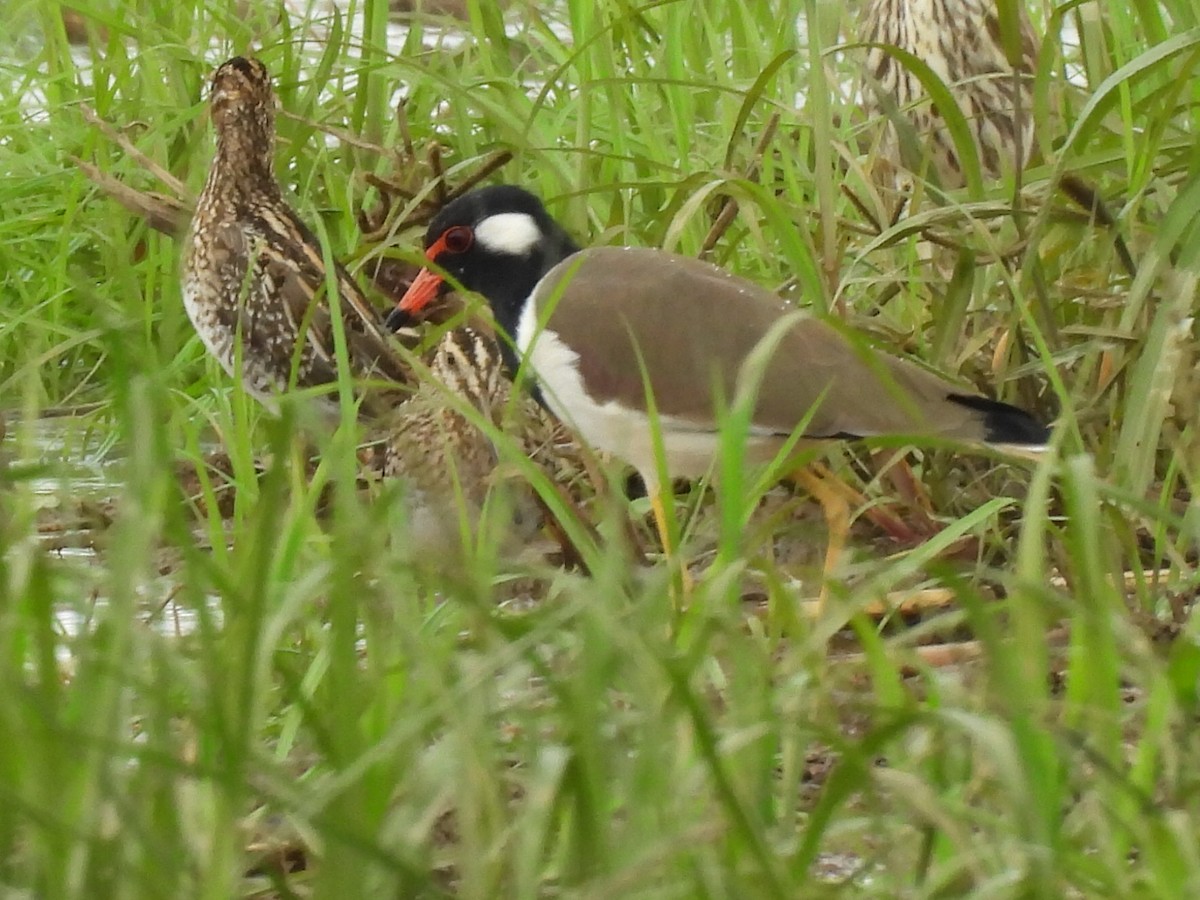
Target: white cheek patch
pixel 512 233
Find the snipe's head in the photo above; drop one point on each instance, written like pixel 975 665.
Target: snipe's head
pixel 243 104
pixel 467 363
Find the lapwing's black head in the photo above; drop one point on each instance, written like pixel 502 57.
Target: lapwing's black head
pixel 496 241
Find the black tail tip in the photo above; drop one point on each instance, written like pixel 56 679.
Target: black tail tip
pixel 1004 423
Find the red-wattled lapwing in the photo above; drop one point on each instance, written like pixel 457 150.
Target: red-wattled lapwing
pixel 254 275
pixel 599 328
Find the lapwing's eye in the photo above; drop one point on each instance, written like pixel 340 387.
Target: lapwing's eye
pixel 458 239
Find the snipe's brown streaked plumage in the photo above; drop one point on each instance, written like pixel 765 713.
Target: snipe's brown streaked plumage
pixel 438 449
pixel 448 462
pixel 960 40
pixel 254 275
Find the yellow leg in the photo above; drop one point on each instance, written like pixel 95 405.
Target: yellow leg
pixel 880 516
pixel 835 497
pixel 837 515
pixel 670 551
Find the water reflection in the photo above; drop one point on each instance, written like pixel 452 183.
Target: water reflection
pixel 65 469
pixel 165 618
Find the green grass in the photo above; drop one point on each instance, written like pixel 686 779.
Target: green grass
pixel 409 737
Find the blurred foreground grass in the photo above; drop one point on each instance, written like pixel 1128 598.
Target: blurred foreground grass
pixel 309 715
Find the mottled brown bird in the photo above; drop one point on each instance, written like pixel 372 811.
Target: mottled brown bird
pixel 436 446
pixel 254 275
pixel 449 464
pixel 960 40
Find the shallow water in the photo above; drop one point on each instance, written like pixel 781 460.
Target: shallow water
pixel 68 469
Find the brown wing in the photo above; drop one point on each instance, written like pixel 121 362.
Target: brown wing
pixel 696 324
pixel 294 260
pixel 263 290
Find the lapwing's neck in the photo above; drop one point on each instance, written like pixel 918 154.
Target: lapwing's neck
pixel 508 301
pixel 558 245
pixel 513 280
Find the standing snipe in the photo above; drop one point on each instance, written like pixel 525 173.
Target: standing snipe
pixel 254 275
pixel 960 40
